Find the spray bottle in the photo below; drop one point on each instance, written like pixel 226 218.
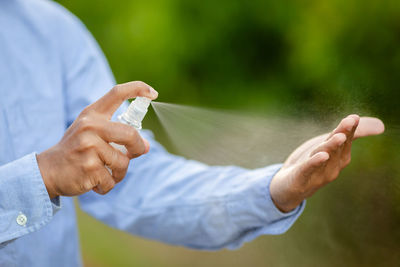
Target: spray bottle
pixel 133 116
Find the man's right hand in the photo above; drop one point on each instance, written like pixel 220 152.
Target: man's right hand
pixel 77 164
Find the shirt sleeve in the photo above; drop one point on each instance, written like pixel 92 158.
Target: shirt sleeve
pixel 86 76
pixel 25 205
pixel 183 202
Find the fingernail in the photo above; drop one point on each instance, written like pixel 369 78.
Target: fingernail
pixel 153 92
pixel 147 145
pixel 99 189
pixel 350 127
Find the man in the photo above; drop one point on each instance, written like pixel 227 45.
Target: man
pixel 53 77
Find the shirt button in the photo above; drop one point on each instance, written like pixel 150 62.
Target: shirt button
pixel 21 219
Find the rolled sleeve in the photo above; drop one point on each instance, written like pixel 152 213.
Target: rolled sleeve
pixel 25 205
pixel 187 203
pixel 254 206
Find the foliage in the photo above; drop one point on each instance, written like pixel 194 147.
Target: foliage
pixel 315 59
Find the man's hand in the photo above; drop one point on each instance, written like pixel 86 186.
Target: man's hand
pixel 77 164
pixel 319 161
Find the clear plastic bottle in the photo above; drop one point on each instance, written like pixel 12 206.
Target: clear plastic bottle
pixel 133 116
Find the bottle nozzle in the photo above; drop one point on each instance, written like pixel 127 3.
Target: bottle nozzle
pixel 136 111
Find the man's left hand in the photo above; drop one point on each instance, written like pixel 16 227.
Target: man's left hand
pixel 319 161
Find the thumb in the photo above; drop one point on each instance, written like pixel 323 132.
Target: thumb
pixel 369 126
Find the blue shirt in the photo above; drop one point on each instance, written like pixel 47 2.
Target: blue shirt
pixel 50 69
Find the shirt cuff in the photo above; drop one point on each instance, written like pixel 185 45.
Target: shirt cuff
pixel 273 209
pixel 266 217
pixel 25 205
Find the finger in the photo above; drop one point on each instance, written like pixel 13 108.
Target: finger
pixel 335 163
pixel 106 182
pixel 331 145
pixel 313 164
pixel 122 134
pixel 369 126
pixel 114 160
pixel 110 102
pixel 345 126
pixel 350 134
pixel 346 152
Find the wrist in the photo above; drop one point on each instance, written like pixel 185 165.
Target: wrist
pixel 45 170
pixel 282 194
pixel 286 206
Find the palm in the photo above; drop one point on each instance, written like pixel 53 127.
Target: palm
pixel 367 126
pixel 319 161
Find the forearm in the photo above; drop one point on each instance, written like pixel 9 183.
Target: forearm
pixel 187 203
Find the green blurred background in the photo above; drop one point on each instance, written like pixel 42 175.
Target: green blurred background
pixel 309 59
